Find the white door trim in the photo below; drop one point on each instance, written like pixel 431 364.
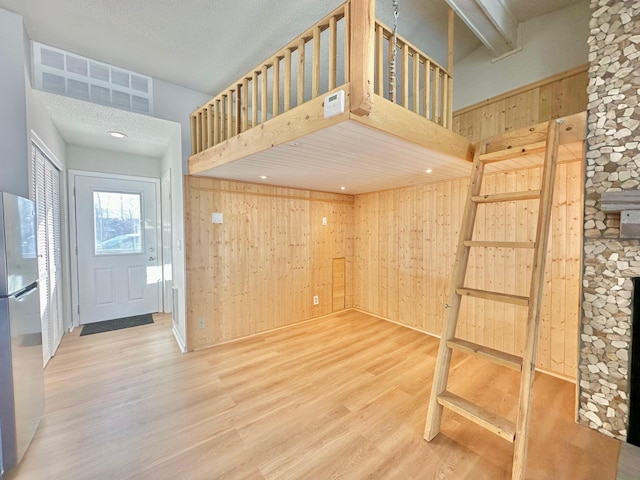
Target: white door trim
pixel 47 151
pixel 73 240
pixel 167 235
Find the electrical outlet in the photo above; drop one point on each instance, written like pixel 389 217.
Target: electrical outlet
pixel 324 220
pixel 316 300
pixel 201 322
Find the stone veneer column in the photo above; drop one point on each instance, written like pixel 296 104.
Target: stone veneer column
pixel 612 164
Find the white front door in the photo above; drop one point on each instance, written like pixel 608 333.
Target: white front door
pixel 119 269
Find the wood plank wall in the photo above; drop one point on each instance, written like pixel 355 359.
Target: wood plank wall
pixel 261 267
pixel 405 242
pixel 553 97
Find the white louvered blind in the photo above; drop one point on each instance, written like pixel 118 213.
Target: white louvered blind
pixel 46 194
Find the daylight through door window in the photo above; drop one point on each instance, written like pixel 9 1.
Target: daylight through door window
pixel 117 219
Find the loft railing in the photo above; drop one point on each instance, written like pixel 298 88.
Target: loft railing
pixel 422 86
pixel 310 66
pixel 304 69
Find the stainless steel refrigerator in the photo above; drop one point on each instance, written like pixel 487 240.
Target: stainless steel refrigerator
pixel 21 364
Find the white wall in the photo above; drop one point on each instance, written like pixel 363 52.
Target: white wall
pixel 173 161
pixel 108 161
pixel 175 103
pixel 13 112
pixel 46 136
pixel 551 44
pixel 21 113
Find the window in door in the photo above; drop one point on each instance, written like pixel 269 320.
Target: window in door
pixel 117 223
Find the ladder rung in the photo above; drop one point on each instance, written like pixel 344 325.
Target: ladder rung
pixel 494 423
pixel 495 296
pixel 476 243
pixel 510 153
pixel 507 197
pixel 496 356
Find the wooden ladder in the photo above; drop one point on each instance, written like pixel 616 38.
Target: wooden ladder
pixel 514 432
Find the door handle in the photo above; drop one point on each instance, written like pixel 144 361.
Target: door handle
pixel 152 258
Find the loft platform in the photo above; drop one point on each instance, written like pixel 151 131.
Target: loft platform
pixel 270 126
pixel 272 122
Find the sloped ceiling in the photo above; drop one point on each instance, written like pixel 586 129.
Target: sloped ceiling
pixel 205 45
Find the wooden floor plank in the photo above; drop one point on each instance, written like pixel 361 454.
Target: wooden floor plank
pixel 340 397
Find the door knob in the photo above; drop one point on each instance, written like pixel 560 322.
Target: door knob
pixel 152 258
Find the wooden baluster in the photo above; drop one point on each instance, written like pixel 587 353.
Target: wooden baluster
pixel 223 118
pixel 276 87
pixel 379 61
pixel 449 76
pixel 238 122
pixel 426 94
pixel 436 94
pixel 405 76
pixel 254 99
pixel 301 61
pixel 229 115
pixel 216 123
pixel 264 104
pixel 210 124
pixel 315 72
pixel 199 131
pixel 287 80
pixel 205 128
pixel 416 82
pixel 194 127
pixel 445 95
pixel 347 42
pixel 333 52
pixel 450 101
pixel 245 102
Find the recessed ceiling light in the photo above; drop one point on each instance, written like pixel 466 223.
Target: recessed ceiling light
pixel 295 144
pixel 428 170
pixel 263 177
pixel 115 134
pixel 343 188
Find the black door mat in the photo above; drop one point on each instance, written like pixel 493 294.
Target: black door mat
pixel 116 324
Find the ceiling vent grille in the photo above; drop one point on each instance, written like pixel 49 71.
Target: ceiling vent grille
pixel 65 73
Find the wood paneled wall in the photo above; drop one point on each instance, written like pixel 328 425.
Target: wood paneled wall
pixel 405 242
pixel 561 95
pixel 261 267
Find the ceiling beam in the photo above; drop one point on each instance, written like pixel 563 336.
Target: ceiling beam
pixel 491 21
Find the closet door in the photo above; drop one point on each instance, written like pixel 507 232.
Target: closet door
pixel 54 255
pixel 46 193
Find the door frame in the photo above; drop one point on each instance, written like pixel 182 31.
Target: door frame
pixel 167 245
pixel 73 234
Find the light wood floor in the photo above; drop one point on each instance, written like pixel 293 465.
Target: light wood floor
pixel 341 397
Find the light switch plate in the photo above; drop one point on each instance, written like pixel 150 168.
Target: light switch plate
pixel 216 218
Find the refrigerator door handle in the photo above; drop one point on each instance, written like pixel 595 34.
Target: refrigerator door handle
pixel 29 289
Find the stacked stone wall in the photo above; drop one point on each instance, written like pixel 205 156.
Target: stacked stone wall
pixel 612 164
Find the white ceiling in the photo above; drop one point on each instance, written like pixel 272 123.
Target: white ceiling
pixel 206 45
pixel 86 124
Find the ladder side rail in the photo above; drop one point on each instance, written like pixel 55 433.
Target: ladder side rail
pixel 443 362
pixel 535 296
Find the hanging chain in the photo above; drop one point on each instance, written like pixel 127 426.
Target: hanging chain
pixel 394 54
